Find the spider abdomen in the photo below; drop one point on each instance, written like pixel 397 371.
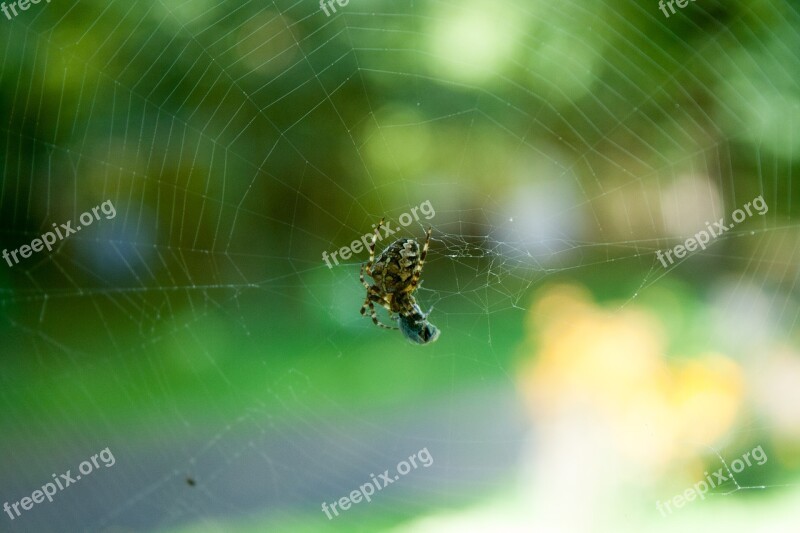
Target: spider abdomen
pixel 394 270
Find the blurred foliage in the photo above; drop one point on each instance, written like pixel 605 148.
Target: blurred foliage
pixel 240 140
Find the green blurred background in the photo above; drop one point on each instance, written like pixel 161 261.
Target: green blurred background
pixel 199 335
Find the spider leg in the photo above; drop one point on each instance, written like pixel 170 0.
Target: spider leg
pixel 424 253
pixel 374 316
pixel 369 303
pixel 418 269
pixel 372 296
pixel 372 247
pixel 363 282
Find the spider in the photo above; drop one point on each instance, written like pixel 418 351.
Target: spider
pixel 396 274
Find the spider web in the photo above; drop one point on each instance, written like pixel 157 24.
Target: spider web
pixel 239 141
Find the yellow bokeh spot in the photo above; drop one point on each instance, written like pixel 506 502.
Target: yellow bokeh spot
pixel 610 366
pixel 472 42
